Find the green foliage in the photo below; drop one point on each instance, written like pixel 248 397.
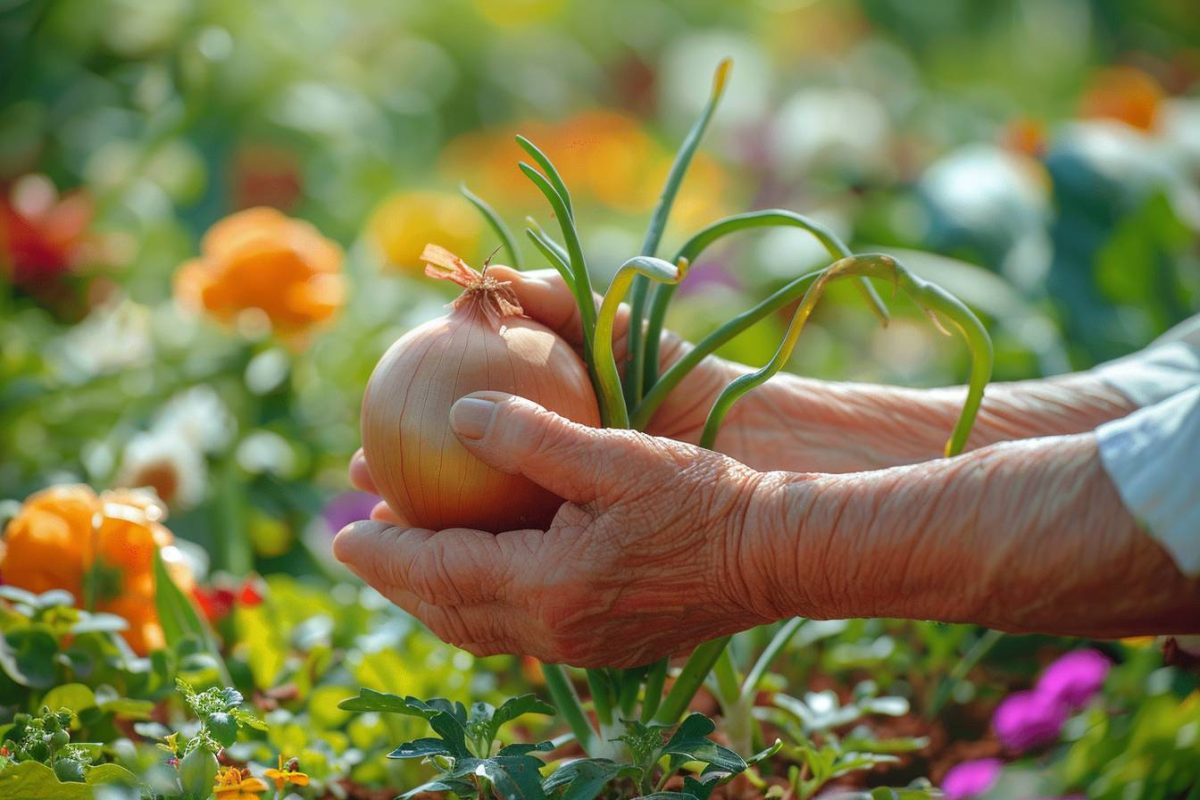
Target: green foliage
pixel 469 762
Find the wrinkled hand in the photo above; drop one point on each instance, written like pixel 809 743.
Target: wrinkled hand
pixel 643 560
pixel 546 298
pixel 779 426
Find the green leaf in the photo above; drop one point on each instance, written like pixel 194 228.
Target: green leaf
pixel 701 790
pixel 908 793
pixel 523 748
pixel 197 772
pixel 763 755
pixel 73 696
pixel 247 720
pixel 514 777
pixel 552 173
pixel 384 703
pixel 452 731
pixel 518 706
pixel 421 748
pixel 180 620
pixel 99 623
pixel 32 780
pixel 27 656
pixel 856 762
pixel 497 224
pixel 693 727
pixel 230 697
pixel 584 778
pixel 460 788
pixel 223 727
pixel 104 774
pixel 689 743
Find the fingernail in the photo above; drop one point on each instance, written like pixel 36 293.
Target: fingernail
pixel 471 417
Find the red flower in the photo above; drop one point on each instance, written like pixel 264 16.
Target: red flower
pixel 215 602
pixel 250 595
pixel 42 235
pixel 218 602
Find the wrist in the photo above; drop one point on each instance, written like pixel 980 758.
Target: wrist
pixel 782 548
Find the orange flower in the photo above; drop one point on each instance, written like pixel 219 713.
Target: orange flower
pixel 405 222
pixel 1123 93
pixel 236 784
pixel 604 156
pixel 285 775
pixel 97 547
pixel 1025 135
pixel 261 259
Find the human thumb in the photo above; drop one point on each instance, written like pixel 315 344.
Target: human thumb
pixel 518 436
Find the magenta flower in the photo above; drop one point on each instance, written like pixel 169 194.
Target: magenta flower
pixel 971 778
pixel 348 507
pixel 1027 720
pixel 1075 678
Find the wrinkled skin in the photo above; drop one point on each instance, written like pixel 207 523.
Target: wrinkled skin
pixel 662 545
pixel 613 577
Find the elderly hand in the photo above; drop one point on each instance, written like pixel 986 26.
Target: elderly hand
pixel 643 560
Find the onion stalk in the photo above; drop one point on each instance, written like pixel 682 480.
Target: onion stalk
pixel 592 391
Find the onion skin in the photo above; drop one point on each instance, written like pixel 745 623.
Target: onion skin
pixel 416 462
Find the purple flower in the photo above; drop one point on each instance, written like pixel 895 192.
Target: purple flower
pixel 971 778
pixel 707 274
pixel 1075 678
pixel 1025 720
pixel 348 507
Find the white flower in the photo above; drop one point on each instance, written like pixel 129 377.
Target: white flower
pixel 985 189
pixel 113 337
pixel 266 452
pixel 836 129
pixel 199 417
pixel 168 464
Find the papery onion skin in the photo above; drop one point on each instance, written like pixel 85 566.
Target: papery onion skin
pixel 417 463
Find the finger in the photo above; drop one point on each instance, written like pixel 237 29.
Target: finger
pixel 449 568
pixel 382 512
pixel 545 297
pixel 360 474
pixel 518 436
pixel 482 630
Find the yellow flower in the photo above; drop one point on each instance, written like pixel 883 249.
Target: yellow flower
pixel 405 222
pixel 102 546
pixel 283 776
pixel 261 259
pixel 236 784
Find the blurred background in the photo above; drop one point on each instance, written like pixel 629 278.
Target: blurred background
pixel 1040 158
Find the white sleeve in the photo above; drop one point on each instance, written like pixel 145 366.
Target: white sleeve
pixel 1153 458
pixel 1170 365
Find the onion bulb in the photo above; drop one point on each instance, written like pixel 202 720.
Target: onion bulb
pixel 484 343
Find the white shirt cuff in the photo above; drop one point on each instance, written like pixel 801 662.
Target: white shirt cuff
pixel 1153 458
pixel 1167 367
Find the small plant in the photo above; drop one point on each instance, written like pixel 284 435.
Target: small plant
pixel 46 739
pixel 471 763
pixel 221 717
pixel 820 755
